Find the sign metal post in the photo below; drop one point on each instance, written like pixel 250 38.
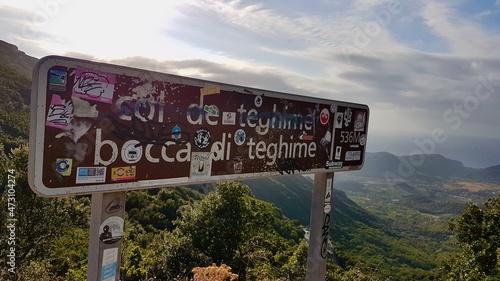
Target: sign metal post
pixel 319 230
pixel 105 239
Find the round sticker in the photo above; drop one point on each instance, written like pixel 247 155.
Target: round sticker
pixel 258 101
pixel 131 151
pixel 324 116
pixel 62 165
pixel 362 139
pixel 111 230
pixel 240 137
pixel 333 107
pixel 327 208
pixel 202 138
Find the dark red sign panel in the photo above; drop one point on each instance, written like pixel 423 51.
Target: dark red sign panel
pixel 99 127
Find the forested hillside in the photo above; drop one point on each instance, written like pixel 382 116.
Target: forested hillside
pixel 15 91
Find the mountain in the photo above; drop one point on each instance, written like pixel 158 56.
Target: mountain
pixel 490 174
pixel 17 60
pixel 293 195
pixel 360 238
pixel 15 93
pixel 422 167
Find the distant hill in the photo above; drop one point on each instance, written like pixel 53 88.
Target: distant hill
pixel 15 92
pixel 422 167
pixel 293 195
pixel 359 237
pixel 12 57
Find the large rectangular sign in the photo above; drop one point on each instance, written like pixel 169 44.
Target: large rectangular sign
pixel 98 127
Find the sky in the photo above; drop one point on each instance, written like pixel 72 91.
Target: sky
pixel 428 70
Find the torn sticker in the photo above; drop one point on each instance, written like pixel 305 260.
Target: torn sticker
pixel 76 129
pixel 82 108
pixel 304 136
pixel 209 91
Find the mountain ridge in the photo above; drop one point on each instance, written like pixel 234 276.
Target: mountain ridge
pixel 423 167
pixel 17 59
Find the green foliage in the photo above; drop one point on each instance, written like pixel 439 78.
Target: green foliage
pixel 15 90
pixel 477 233
pixel 158 212
pixel 133 265
pixel 51 233
pixel 230 226
pixel 172 256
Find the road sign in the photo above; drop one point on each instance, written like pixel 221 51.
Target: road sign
pixel 100 128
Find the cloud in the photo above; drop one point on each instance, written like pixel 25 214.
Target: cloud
pixel 18 27
pixel 464 37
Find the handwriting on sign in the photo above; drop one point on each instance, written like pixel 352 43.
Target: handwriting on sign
pixel 91 83
pixel 324 236
pixel 150 132
pixel 59 114
pixel 290 165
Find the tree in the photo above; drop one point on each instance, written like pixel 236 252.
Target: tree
pixel 478 236
pixel 216 225
pixel 172 257
pixel 232 227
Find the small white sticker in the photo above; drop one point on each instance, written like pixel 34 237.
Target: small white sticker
pixel 258 101
pixel 229 118
pixel 362 139
pixel 201 165
pixel 352 155
pixel 327 208
pixel 328 193
pixel 109 264
pixel 338 152
pixel 131 151
pixel 339 117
